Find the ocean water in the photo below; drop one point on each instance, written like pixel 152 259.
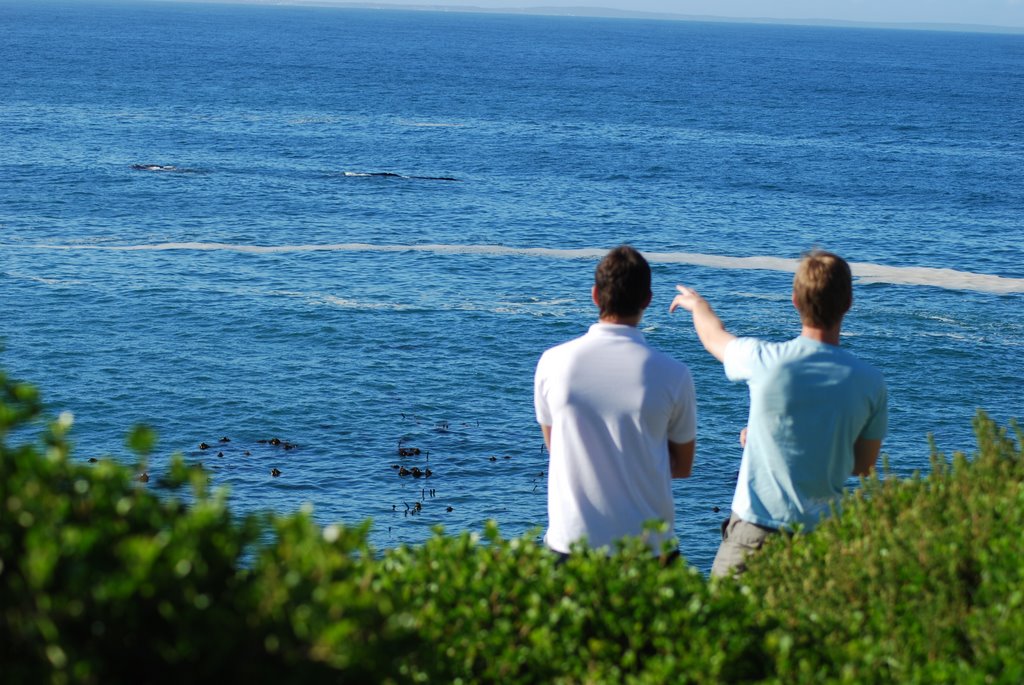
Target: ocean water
pixel 235 221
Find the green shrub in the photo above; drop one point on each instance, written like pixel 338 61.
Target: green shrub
pixel 918 580
pixel 101 581
pixel 505 611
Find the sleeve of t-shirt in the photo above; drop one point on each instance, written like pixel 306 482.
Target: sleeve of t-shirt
pixel 742 358
pixel 683 425
pixel 878 424
pixel 540 405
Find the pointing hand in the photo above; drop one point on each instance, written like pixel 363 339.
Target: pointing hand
pixel 687 299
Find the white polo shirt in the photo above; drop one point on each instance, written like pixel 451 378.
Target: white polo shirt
pixel 613 404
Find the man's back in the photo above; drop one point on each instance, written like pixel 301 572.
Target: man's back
pixel 613 404
pixel 817 413
pixel 809 404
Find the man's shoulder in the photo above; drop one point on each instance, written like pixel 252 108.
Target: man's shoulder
pixel 747 357
pixel 866 370
pixel 662 370
pixel 862 373
pixel 562 350
pixel 746 346
pixel 566 346
pixel 667 362
pixel 750 342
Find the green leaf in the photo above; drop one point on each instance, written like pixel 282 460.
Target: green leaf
pixel 141 439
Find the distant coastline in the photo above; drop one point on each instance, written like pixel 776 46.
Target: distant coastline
pixel 606 13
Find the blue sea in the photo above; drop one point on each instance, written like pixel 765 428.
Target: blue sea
pixel 357 230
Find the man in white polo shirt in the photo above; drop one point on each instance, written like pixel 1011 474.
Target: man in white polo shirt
pixel 619 419
pixel 817 413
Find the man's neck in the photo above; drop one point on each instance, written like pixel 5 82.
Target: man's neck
pixel 825 335
pixel 633 321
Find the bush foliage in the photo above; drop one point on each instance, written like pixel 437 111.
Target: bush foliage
pixel 101 581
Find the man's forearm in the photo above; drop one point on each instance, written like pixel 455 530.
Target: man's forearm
pixel 709 327
pixel 680 456
pixel 865 456
pixel 711 330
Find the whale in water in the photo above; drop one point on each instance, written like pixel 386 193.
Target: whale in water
pixel 164 167
pixel 391 174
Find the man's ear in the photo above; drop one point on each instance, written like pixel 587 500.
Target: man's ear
pixel 647 302
pixel 593 296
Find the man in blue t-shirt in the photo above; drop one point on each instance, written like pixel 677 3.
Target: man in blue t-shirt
pixel 817 413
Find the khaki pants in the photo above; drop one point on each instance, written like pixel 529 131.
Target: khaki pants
pixel 739 540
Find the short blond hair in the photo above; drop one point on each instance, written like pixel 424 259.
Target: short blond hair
pixel 822 289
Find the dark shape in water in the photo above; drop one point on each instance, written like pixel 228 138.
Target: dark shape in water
pixel 144 478
pixel 154 167
pixel 225 439
pixel 165 168
pixel 203 446
pixel 450 509
pixel 93 460
pixel 275 472
pixel 391 174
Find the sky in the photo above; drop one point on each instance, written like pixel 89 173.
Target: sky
pixel 1008 13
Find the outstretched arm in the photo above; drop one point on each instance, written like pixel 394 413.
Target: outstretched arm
pixel 709 327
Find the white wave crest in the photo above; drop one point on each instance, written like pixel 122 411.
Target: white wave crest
pixel 42 279
pixel 865 272
pixel 345 303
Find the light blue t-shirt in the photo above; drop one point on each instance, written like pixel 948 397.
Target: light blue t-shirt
pixel 809 402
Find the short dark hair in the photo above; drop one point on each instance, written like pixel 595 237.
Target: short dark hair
pixel 623 281
pixel 822 289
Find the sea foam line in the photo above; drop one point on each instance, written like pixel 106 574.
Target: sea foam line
pixel 865 272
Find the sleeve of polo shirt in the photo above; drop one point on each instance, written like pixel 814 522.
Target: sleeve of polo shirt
pixel 742 358
pixel 683 426
pixel 540 405
pixel 878 424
